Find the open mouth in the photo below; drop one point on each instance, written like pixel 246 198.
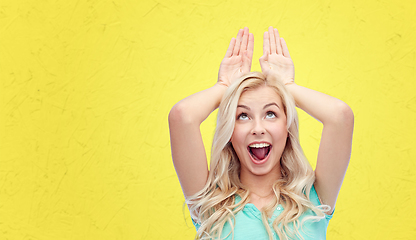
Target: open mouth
pixel 259 151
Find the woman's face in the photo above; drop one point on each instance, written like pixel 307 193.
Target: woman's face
pixel 260 133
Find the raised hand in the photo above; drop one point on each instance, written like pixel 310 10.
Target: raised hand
pixel 237 60
pixel 276 59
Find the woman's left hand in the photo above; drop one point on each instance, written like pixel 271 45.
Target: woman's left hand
pixel 276 59
pixel 237 60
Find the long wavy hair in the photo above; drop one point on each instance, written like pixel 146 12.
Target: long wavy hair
pixel 215 204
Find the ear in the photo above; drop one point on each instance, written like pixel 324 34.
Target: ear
pixel 230 143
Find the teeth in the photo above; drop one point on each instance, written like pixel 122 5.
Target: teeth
pixel 259 145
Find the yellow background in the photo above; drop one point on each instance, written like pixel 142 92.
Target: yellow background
pixel 86 87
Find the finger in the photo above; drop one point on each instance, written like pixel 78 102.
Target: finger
pixel 244 43
pixel 246 62
pixel 230 48
pixel 250 46
pixel 238 42
pixel 266 43
pixel 272 41
pixel 277 37
pixel 284 48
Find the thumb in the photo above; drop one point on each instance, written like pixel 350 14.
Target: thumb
pixel 263 62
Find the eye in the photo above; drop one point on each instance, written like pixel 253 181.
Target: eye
pixel 242 116
pixel 270 114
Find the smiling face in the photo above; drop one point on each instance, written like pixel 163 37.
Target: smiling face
pixel 260 132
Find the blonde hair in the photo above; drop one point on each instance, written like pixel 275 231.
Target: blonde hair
pixel 215 204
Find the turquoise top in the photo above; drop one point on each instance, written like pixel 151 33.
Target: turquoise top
pixel 248 223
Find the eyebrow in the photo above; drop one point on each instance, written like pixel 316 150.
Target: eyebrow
pixel 265 106
pixel 243 106
pixel 271 104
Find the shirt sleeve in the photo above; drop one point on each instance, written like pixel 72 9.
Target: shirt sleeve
pixel 196 225
pixel 315 200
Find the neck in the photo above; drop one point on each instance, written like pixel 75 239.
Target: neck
pixel 260 185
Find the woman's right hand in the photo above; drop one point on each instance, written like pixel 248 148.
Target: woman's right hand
pixel 237 60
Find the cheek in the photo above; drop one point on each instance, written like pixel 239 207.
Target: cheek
pixel 279 131
pixel 238 137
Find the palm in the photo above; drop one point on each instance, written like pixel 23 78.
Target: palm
pixel 276 58
pixel 280 66
pixel 237 60
pixel 232 68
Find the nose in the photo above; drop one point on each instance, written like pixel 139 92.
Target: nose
pixel 258 128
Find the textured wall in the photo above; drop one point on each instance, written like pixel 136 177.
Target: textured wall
pixel 86 87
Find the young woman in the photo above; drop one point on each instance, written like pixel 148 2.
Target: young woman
pixel 260 185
